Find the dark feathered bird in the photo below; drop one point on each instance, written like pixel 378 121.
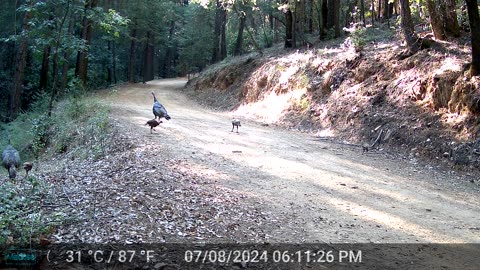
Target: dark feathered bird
pixel 27 166
pixel 11 160
pixel 153 123
pixel 158 109
pixel 236 123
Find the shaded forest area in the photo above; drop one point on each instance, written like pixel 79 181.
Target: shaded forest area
pixel 50 48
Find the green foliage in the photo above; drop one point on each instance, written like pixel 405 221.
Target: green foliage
pixel 83 128
pixel 97 130
pixel 196 36
pixel 21 215
pixel 358 37
pixel 112 22
pixel 303 104
pixel 40 133
pixel 303 81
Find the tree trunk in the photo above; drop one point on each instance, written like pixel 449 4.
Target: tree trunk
pixel 219 39
pixel 45 66
pixel 474 18
pixel 299 22
pixel 114 62
pixel 239 42
pixel 436 21
pixel 288 28
pixel 109 65
pixel 66 56
pixel 82 57
pixel 408 32
pixel 310 16
pixel 452 28
pixel 362 12
pixel 58 42
pixel 16 90
pixel 373 12
pixel 330 13
pixel 336 17
pixel 148 58
pixel 168 63
pixel 131 58
pixel 379 9
pixel 386 7
pixel 324 14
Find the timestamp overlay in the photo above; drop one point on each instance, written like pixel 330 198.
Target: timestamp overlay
pixel 244 256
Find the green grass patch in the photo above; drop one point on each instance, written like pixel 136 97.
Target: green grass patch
pixel 78 125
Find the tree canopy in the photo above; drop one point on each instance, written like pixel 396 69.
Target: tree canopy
pixel 58 46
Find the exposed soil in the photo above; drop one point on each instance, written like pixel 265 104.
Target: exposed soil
pixel 194 180
pixel 427 105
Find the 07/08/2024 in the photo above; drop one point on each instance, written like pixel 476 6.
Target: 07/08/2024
pixel 275 256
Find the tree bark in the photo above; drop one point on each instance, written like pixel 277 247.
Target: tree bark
pixel 131 58
pixel 310 16
pixel 114 62
pixel 169 61
pixel 408 32
pixel 362 12
pixel 58 42
pixel 436 20
pixel 324 14
pixel 336 17
pixel 288 28
pixel 219 39
pixel 373 12
pixel 299 22
pixel 45 66
pixel 330 13
pixel 148 58
pixel 16 90
pixel 379 9
pixel 66 56
pixel 386 10
pixel 239 42
pixel 474 18
pixel 81 70
pixel 452 28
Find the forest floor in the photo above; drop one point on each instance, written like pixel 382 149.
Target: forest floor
pixel 193 180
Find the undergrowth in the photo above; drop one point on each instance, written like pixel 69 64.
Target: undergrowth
pixel 79 124
pixel 23 216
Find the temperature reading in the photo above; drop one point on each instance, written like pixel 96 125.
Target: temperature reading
pixel 109 256
pixel 72 255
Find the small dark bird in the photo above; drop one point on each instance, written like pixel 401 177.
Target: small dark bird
pixel 158 109
pixel 153 123
pixel 236 123
pixel 28 167
pixel 11 160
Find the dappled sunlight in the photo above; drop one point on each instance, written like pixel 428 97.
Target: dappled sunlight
pixel 317 173
pixel 450 63
pixel 296 172
pixel 393 222
pixel 271 108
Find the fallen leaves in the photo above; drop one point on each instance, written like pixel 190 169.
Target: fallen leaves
pixel 141 195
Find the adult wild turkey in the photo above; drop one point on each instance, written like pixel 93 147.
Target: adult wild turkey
pixel 153 123
pixel 11 160
pixel 158 109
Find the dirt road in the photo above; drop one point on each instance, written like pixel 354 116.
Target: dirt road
pixel 321 191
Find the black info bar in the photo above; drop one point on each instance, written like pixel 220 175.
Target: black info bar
pixel 242 256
